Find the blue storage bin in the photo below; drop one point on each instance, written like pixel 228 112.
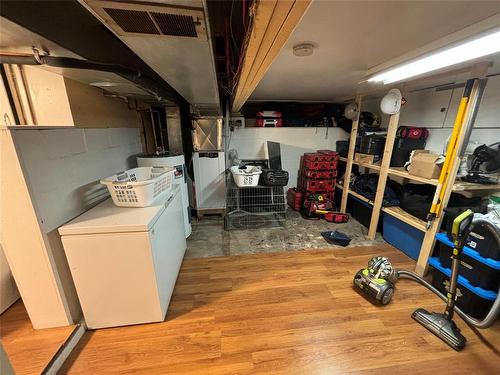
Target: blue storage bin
pixel 402 236
pixel 481 272
pixel 471 299
pixel 470 252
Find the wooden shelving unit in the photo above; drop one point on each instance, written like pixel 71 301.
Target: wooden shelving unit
pixel 467 186
pixel 357 195
pixel 401 214
pixel 401 172
pixel 386 171
pixel 374 167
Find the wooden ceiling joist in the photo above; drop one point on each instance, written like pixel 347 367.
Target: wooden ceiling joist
pixel 274 22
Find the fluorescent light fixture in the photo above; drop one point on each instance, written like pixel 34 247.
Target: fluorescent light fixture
pixel 479 47
pixel 104 84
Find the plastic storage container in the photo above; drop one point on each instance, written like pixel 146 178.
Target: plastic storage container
pixel 484 241
pixel 402 236
pixel 472 300
pixel 246 177
pixel 139 187
pixel 360 211
pixel 314 186
pixel 372 145
pixel 332 155
pixel 294 198
pixel 311 173
pixel 482 272
pixel 321 155
pixel 342 148
pixel 403 148
pixel 319 165
pixel 274 177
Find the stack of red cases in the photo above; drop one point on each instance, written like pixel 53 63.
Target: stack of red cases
pixel 318 172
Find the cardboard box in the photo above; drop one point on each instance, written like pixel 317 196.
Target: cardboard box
pixel 366 158
pixel 425 164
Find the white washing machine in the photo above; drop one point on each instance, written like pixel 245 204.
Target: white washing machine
pixel 178 162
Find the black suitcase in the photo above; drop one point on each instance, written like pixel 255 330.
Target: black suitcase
pixel 342 148
pixel 403 148
pixel 372 145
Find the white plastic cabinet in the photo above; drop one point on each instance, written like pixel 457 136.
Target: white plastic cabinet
pixel 125 261
pixel 209 178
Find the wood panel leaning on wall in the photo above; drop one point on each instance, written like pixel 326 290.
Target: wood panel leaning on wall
pixel 34 255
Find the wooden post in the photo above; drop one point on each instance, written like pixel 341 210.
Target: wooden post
pixel 350 156
pixel 382 178
pixel 430 234
pixel 25 246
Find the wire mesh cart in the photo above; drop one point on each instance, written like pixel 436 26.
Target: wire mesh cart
pixel 254 207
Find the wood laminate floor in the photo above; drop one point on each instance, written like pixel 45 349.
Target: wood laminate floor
pixel 29 350
pixel 285 313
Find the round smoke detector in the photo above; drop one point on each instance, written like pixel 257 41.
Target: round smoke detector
pixel 303 49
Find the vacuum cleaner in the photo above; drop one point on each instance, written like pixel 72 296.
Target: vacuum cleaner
pixel 377 283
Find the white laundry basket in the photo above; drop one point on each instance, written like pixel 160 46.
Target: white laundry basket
pixel 139 187
pixel 246 177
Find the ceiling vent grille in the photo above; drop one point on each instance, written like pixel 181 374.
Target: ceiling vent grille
pixel 133 21
pixel 175 24
pixel 141 19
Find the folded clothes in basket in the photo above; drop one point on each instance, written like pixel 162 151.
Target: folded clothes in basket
pixel 336 238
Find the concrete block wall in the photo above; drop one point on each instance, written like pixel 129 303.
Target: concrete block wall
pixel 62 168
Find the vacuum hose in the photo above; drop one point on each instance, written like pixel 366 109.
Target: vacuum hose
pixel 485 323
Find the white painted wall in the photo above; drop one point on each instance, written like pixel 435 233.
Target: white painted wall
pixel 423 110
pixel 62 168
pixel 251 144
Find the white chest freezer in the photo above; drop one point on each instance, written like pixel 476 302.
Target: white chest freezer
pixel 180 177
pixel 125 261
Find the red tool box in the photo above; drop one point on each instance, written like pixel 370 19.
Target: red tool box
pixel 319 186
pixel 319 165
pixel 321 155
pixel 336 217
pixel 333 155
pixel 311 173
pixel 294 198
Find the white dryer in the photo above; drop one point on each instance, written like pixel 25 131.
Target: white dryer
pixel 178 162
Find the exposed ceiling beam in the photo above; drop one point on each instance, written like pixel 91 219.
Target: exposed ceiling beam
pixel 273 23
